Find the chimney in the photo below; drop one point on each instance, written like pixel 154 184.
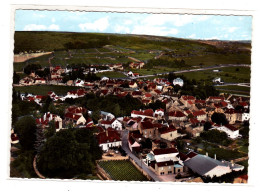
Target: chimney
pixel 215 156
pixel 106 132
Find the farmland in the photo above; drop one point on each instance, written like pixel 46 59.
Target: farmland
pixel 122 170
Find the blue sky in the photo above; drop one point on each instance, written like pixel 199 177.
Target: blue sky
pixel 173 25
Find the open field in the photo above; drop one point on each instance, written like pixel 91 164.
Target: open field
pixel 44 89
pixel 234 87
pixel 97 48
pixel 227 74
pixel 122 170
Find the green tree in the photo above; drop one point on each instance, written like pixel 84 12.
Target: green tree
pixel 26 131
pixel 219 118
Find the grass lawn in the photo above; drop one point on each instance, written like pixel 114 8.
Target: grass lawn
pixel 44 89
pixel 122 170
pixel 111 74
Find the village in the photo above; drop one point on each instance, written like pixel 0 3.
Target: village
pixel 168 139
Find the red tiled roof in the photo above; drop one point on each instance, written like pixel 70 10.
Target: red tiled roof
pixel 191 154
pixel 182 156
pixel 176 114
pixel 72 116
pixel 245 177
pixel 194 121
pixel 200 101
pixel 164 130
pixel 109 137
pixel 148 95
pixel 164 163
pixel 187 97
pixel 137 93
pixel 164 151
pixel 190 102
pixel 199 113
pixel 216 98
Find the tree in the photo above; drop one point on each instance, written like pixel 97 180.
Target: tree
pixel 69 153
pixel 219 118
pixel 16 78
pixel 207 126
pixel 26 131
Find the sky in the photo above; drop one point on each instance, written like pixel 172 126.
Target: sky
pixel 172 25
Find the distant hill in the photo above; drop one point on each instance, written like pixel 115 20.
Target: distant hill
pixel 50 41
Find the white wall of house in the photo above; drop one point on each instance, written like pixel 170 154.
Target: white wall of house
pixel 231 134
pixel 202 117
pixel 81 120
pixel 166 157
pixel 245 117
pixel 116 125
pixel 170 136
pixel 106 146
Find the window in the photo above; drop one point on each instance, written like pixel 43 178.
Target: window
pixel 170 167
pixel 162 173
pixel 179 170
pixel 169 172
pixel 162 168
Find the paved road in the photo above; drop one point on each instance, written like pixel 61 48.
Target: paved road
pixel 124 135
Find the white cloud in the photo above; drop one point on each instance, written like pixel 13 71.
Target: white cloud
pixel 232 29
pixel 54 27
pixel 192 35
pixel 152 30
pixel 128 22
pixel 53 20
pixel 177 20
pixel 121 29
pixel 98 25
pixel 34 27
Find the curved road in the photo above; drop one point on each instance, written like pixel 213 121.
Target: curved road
pixel 124 136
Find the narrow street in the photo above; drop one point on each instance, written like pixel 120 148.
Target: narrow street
pixel 124 136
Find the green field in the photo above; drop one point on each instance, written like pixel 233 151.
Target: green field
pixel 227 74
pixel 235 88
pixel 122 170
pixel 44 89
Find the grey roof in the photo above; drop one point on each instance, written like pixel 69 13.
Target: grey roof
pixel 202 164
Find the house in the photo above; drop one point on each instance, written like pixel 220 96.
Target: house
pixel 132 124
pixel 164 161
pixel 40 81
pixel 106 115
pixel 133 144
pixel 206 166
pixel 168 133
pixel 114 123
pixel 14 137
pixel 149 129
pixel 108 139
pixel 200 115
pixel 145 113
pixel 77 119
pixel 217 80
pixel 241 179
pixel 245 117
pixel 159 113
pixel 79 82
pixel 176 116
pixel 44 121
pixel 130 74
pixel 178 81
pixel 231 131
pixel 138 65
